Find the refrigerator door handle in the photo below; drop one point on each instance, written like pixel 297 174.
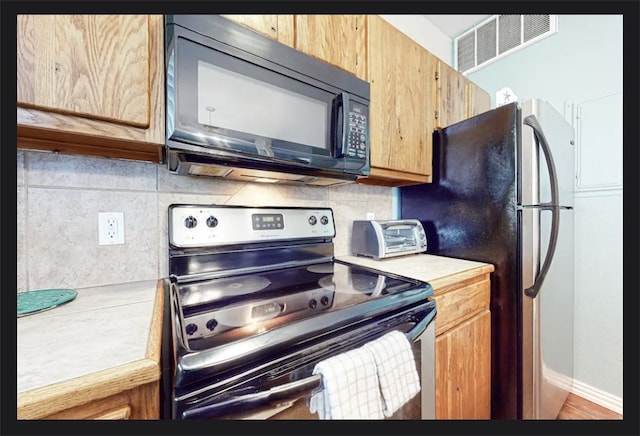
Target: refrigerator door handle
pixel 532 122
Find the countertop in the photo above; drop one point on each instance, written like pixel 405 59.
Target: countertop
pixel 108 338
pixel 439 271
pixel 106 334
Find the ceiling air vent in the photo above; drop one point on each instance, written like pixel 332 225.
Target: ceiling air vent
pixel 500 36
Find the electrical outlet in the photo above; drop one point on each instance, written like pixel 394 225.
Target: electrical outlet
pixel 110 228
pixel 371 215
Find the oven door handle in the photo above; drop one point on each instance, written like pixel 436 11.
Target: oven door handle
pixel 246 404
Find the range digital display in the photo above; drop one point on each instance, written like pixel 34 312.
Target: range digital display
pixel 267 221
pixel 266 310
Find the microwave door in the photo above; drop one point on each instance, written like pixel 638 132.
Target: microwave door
pixel 245 108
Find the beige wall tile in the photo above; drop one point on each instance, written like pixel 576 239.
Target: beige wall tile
pixel 49 169
pixel 62 229
pixel 21 255
pixel 20 168
pixel 59 231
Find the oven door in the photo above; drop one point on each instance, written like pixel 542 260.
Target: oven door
pixel 281 389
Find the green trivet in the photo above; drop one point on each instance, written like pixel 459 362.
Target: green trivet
pixel 44 299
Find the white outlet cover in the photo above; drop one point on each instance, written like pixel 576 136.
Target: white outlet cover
pixel 371 215
pixel 110 228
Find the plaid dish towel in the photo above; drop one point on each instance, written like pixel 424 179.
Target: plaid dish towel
pixel 397 374
pixel 350 387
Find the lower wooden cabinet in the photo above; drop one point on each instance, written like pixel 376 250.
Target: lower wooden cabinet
pixel 142 402
pixel 463 369
pixel 463 350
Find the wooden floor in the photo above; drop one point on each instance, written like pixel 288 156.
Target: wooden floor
pixel 576 407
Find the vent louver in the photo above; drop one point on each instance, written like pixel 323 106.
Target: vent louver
pixel 500 36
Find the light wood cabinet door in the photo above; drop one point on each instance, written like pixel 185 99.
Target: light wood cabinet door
pixel 340 40
pixel 142 402
pixel 463 370
pixel 458 98
pixel 452 96
pixel 401 126
pixel 278 27
pixel 91 84
pixel 478 100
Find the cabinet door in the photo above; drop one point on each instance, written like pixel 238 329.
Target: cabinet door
pixel 142 402
pixel 463 370
pixel 84 78
pixel 401 121
pixel 478 100
pixel 278 27
pixel 337 39
pixel 451 98
pixel 458 98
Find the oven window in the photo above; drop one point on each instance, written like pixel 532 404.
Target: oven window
pixel 400 238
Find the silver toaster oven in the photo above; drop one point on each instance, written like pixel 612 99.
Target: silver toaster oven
pixel 380 239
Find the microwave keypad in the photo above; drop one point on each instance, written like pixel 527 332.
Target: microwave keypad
pixel 357 142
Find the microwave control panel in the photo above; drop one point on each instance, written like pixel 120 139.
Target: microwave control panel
pixel 358 130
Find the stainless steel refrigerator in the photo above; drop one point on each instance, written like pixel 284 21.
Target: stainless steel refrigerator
pixel 503 193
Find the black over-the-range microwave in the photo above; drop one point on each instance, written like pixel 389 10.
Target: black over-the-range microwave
pixel 245 107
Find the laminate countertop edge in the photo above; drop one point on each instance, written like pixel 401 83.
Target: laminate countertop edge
pixel 47 400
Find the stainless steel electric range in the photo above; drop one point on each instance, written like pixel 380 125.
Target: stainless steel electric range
pixel 257 299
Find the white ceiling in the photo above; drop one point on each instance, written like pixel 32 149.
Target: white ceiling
pixel 453 25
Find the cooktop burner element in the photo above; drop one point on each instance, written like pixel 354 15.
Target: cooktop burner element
pixel 213 290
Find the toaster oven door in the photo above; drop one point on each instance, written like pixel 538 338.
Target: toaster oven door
pixel 403 236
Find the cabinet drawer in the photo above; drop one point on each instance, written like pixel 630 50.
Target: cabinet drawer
pixel 123 412
pixel 457 305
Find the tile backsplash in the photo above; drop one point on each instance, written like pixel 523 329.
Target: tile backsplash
pixel 59 197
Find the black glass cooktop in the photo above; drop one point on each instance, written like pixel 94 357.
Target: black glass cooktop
pixel 227 309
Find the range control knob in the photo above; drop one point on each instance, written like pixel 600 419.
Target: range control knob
pixel 324 300
pixel 191 329
pixel 211 324
pixel 190 222
pixel 212 221
pixel 313 303
pixel 313 220
pixel 324 220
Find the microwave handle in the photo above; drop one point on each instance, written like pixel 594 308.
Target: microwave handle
pixel 340 122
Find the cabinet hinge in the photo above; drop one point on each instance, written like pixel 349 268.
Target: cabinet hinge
pixel 356 58
pixel 437 75
pixel 356 23
pixel 437 114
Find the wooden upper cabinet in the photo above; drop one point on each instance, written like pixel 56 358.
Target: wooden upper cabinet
pixel 458 98
pixel 278 27
pixel 340 40
pixel 402 96
pixel 91 84
pixel 478 100
pixel 451 100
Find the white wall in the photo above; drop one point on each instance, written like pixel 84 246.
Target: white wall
pixel 422 31
pixel 579 71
